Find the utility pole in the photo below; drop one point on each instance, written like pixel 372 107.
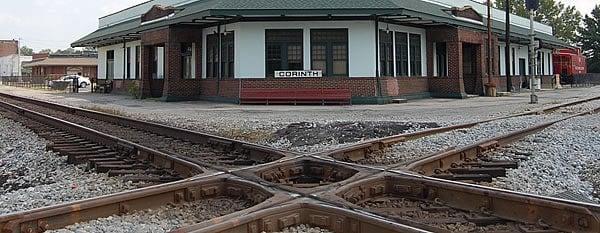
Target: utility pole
pixel 532 6
pixel 489 86
pixel 507 56
pixel 532 59
pixel 18 60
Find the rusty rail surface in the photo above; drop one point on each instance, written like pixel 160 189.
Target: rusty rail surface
pixel 321 192
pixel 483 204
pixel 142 153
pixel 253 151
pixel 360 150
pixel 302 211
pixel 56 217
pixel 448 164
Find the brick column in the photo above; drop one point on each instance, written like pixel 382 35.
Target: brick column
pixel 172 68
pixel 146 71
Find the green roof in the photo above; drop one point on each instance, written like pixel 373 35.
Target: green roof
pixel 202 8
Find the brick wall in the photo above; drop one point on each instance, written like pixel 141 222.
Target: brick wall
pixel 174 86
pixel 8 47
pixel 360 87
pixel 406 86
pixel 122 86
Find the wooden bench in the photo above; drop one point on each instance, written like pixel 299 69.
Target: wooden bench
pixel 295 96
pixel 104 87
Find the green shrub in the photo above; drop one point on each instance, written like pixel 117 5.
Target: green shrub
pixel 134 90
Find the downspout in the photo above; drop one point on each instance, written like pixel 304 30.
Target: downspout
pixel 377 75
pixel 219 74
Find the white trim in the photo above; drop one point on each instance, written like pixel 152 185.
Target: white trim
pixel 159 19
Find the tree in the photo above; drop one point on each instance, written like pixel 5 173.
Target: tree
pixel 564 20
pixel 589 39
pixel 26 51
pixel 46 51
pixel 517 7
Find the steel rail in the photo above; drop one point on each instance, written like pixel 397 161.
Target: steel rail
pixel 145 154
pixel 252 150
pixel 360 150
pixel 438 163
pixel 189 190
pixel 517 207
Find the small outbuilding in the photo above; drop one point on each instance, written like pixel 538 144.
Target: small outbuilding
pixel 60 65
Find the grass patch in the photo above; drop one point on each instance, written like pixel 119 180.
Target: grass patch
pixel 112 111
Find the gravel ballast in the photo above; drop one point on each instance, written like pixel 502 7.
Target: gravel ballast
pixel 303 229
pixel 562 158
pixel 33 177
pixel 257 123
pixel 163 219
pixel 410 150
pixel 315 137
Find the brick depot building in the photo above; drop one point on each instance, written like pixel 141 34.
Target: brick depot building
pixel 377 49
pixel 44 64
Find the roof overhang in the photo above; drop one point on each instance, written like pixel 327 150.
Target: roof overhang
pixel 196 15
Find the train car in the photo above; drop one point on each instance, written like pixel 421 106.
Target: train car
pixel 568 63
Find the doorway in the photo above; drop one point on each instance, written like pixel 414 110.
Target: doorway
pixel 470 72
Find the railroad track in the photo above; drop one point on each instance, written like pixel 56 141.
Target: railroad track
pixel 470 163
pixel 207 150
pixel 390 152
pixel 277 189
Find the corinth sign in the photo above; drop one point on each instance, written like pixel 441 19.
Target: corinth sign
pixel 299 74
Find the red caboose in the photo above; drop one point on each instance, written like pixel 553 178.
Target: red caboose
pixel 569 62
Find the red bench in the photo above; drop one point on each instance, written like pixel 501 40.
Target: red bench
pixel 294 96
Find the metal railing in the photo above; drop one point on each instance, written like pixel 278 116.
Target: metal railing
pixel 585 80
pixel 37 82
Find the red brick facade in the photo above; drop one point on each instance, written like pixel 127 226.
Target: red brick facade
pixel 456 84
pixel 86 71
pixel 173 87
pixel 8 47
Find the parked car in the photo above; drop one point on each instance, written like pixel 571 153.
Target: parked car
pixel 83 81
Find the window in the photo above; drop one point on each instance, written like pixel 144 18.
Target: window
pixel 137 62
pixel 441 59
pixel 549 60
pixel 500 58
pixel 329 51
pixel 158 67
pixel 542 55
pixel 539 62
pixel 514 58
pixel 212 54
pixel 401 54
pixel 128 62
pixel 227 55
pixel 283 50
pixel 186 60
pixel 415 54
pixel 386 53
pixel 110 64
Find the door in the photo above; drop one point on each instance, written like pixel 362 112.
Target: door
pixel 522 66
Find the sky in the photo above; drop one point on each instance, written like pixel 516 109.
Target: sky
pixel 54 24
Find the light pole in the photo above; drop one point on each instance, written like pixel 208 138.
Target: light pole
pixel 507 49
pixel 532 6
